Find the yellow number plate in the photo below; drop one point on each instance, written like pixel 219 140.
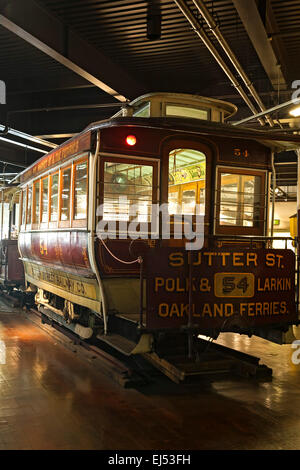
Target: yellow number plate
pixel 234 284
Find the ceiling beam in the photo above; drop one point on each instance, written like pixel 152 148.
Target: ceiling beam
pixel 277 42
pixel 254 26
pixel 22 86
pixel 48 34
pixel 74 107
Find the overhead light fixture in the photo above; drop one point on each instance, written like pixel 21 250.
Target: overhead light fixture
pixel 295 112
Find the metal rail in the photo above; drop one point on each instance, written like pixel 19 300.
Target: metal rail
pixel 121 372
pixel 212 49
pixel 214 28
pixel 212 359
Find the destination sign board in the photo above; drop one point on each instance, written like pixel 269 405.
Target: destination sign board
pixel 228 287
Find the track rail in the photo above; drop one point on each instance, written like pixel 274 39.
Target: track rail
pixel 125 372
pixel 210 360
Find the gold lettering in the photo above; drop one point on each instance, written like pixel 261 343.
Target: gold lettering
pixel 236 259
pixel 228 310
pixel 210 255
pixel 270 260
pixel 258 308
pixel 279 258
pixel 163 310
pixel 259 288
pixel 204 285
pixel 224 255
pixel 174 310
pixel 251 312
pixel 206 310
pixel 275 308
pixel 218 309
pixel 159 282
pixel 266 308
pixel 283 308
pixel 170 284
pixel 251 258
pixel 184 309
pixel 242 309
pixel 198 261
pixel 176 259
pixel 178 287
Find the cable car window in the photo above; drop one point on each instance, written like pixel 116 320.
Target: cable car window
pixel 29 204
pixel 65 194
pixel 143 111
pixel 128 189
pixel 36 203
pixel 5 226
pixel 187 170
pixel 15 227
pixel 23 206
pixel 186 111
pixel 45 189
pixel 80 191
pixel 54 197
pixel 240 200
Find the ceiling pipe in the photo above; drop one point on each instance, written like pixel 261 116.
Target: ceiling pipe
pixel 56 136
pixel 4 131
pixel 9 130
pixel 278 107
pixel 205 39
pixel 213 26
pixel 19 144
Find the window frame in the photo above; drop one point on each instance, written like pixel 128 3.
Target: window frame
pixel 23 196
pixel 29 224
pixel 155 163
pixel 79 223
pixel 44 224
pixel 237 229
pixel 207 109
pixel 53 223
pixel 36 223
pixel 65 223
pixel 189 142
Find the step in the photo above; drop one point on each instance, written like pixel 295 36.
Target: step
pixel 121 344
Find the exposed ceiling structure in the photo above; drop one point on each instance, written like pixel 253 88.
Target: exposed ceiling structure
pixel 64 61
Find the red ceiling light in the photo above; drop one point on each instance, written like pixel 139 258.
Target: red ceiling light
pixel 131 140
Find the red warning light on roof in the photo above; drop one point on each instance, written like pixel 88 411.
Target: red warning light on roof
pixel 131 140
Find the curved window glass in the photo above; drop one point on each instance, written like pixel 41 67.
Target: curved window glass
pixel 187 111
pixel 65 194
pixel 45 189
pixel 54 197
pixel 187 176
pixel 80 191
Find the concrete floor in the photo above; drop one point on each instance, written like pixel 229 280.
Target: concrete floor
pixel 50 399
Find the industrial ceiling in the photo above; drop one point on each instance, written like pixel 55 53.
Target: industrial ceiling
pixel 64 61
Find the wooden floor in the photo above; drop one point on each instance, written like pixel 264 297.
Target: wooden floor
pixel 51 399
